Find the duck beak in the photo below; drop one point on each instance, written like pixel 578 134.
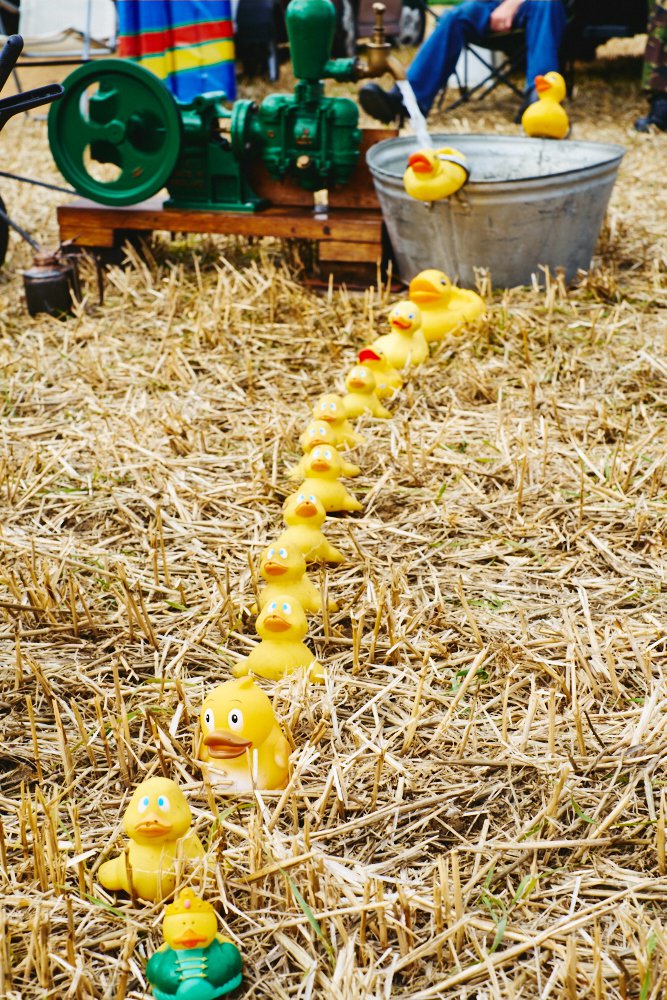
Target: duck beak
pixel 402 324
pixel 319 465
pixel 225 746
pixel 274 569
pixel 152 827
pixel 357 383
pixel 542 85
pixel 275 623
pixel 420 163
pixel 423 291
pixel 190 941
pixel 306 509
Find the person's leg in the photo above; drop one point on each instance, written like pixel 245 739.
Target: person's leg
pixel 436 60
pixel 654 75
pixel 544 22
pixel 434 63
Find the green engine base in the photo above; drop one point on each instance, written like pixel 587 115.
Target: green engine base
pixel 207 175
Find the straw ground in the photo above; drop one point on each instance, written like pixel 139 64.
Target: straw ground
pixel 477 800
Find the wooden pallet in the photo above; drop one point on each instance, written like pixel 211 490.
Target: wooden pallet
pixel 349 241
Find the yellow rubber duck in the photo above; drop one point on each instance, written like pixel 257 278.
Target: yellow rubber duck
pixel 405 344
pixel 319 432
pixel 387 379
pixel 361 396
pixel 433 174
pixel 241 740
pixel 157 821
pixel 283 567
pixel 444 308
pixel 304 516
pixel 195 961
pixel 323 469
pixel 546 119
pixel 282 627
pixel 331 409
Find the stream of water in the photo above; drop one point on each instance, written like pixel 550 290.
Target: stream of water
pixel 417 119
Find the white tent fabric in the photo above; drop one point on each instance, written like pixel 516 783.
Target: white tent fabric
pixel 44 17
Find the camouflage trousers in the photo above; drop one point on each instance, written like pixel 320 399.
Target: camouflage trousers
pixel 654 76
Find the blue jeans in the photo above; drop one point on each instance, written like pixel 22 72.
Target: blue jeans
pixel 542 20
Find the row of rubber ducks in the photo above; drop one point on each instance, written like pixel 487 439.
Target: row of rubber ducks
pixel 434 174
pixel 240 741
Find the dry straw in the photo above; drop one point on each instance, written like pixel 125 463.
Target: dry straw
pixel 477 803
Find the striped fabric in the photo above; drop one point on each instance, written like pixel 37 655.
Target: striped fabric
pixel 187 43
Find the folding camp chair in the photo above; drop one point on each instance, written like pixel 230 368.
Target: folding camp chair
pixel 501 55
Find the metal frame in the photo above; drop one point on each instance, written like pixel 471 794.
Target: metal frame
pixel 497 74
pixel 67 58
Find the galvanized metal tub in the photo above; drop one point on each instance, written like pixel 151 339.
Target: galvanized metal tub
pixel 528 202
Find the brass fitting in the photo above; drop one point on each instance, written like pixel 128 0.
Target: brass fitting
pixel 378 59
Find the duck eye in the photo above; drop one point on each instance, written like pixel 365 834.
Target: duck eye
pixel 270 553
pixel 273 605
pixel 311 497
pixel 327 454
pixel 163 803
pixel 443 281
pixel 235 719
pixel 323 405
pixel 143 804
pixel 282 553
pixel 332 407
pixel 287 608
pixel 322 432
pixel 312 432
pixel 209 718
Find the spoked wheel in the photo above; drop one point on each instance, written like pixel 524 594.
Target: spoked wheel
pixel 413 25
pixel 4 234
pixel 116 133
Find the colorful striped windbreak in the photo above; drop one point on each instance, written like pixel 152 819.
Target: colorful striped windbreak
pixel 187 43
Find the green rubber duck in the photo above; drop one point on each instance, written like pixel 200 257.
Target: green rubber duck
pixel 195 962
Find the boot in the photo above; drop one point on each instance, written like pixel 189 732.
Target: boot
pixel 384 105
pixel 657 114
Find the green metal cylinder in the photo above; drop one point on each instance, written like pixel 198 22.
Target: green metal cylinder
pixel 311 25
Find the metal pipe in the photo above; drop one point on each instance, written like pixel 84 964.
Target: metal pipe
pixel 8 57
pixel 396 68
pixel 85 55
pixel 22 232
pixel 378 60
pixel 31 180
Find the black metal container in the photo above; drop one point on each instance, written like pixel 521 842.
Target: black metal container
pixel 50 285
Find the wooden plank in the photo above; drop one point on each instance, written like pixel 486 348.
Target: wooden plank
pixel 357 274
pixel 339 251
pixel 87 236
pixel 84 216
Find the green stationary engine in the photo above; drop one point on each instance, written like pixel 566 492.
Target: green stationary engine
pixel 118 136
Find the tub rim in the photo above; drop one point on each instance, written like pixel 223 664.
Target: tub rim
pixel 616 154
